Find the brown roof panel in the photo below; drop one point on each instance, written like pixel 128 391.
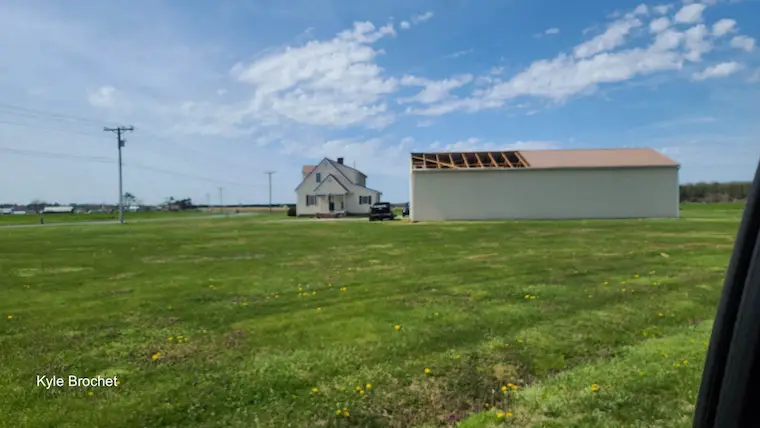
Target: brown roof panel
pixel 592 158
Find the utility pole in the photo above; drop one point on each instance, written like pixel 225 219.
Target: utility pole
pixel 269 173
pixel 120 143
pixel 221 199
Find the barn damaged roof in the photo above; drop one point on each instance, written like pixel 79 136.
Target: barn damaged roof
pixel 543 159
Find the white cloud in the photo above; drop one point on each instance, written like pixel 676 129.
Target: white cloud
pixel 743 42
pixel 754 77
pixel 613 37
pixel 723 27
pixel 690 13
pixel 641 9
pixel 404 25
pixel 434 90
pixel 425 123
pixel 720 70
pixel 496 71
pixel 331 83
pixel 476 144
pixel 551 31
pixel 662 9
pixel 458 54
pixel 422 17
pixel 667 40
pixel 102 97
pixel 562 77
pixel 659 25
pixel 696 42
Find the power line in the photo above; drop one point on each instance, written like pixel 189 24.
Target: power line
pixel 47 128
pixel 10 109
pixel 97 159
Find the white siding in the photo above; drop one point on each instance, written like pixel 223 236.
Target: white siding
pixel 461 194
pixel 329 186
pixel 352 200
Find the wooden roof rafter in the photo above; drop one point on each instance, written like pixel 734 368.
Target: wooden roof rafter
pixel 468 160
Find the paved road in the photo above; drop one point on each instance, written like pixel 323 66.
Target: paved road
pixel 200 217
pixel 140 220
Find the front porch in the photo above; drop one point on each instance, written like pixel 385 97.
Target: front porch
pixel 331 206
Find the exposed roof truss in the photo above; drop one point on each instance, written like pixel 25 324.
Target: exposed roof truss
pixel 468 160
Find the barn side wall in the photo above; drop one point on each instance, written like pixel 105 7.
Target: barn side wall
pixel 492 194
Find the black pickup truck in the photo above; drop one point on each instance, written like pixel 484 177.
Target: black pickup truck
pixel 381 211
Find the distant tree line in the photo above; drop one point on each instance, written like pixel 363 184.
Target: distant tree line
pixel 715 192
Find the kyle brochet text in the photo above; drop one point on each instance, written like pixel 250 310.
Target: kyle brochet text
pixel 76 381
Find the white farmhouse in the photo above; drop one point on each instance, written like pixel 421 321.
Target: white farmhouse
pixel 332 188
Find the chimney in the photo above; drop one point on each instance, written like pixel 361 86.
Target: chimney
pixel 340 161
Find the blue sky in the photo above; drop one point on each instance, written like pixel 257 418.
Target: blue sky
pixel 220 92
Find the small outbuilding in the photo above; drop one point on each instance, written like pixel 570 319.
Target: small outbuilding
pixel 543 184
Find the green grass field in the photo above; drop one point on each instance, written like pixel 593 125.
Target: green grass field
pixel 243 323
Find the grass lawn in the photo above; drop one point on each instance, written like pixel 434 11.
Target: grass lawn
pixel 243 323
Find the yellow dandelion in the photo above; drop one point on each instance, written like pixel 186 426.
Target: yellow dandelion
pixel 300 288
pixel 90 393
pixel 179 337
pixel 500 415
pixel 315 390
pixel 595 387
pixel 532 297
pixel 171 338
pixel 660 315
pixel 436 314
pixel 427 371
pixel 368 386
pixel 509 414
pixel 338 412
pixel 636 275
pixel 515 387
pixel 118 382
pixel 156 356
pixel 361 392
pixel 276 296
pixel 313 293
pixel 244 304
pixel 456 356
pixel 527 296
pixel 606 282
pixel 397 326
pixel 319 309
pixel 358 388
pixel 504 388
pixel 10 317
pixel 329 285
pixel 685 362
pixel 346 413
pixel 204 331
